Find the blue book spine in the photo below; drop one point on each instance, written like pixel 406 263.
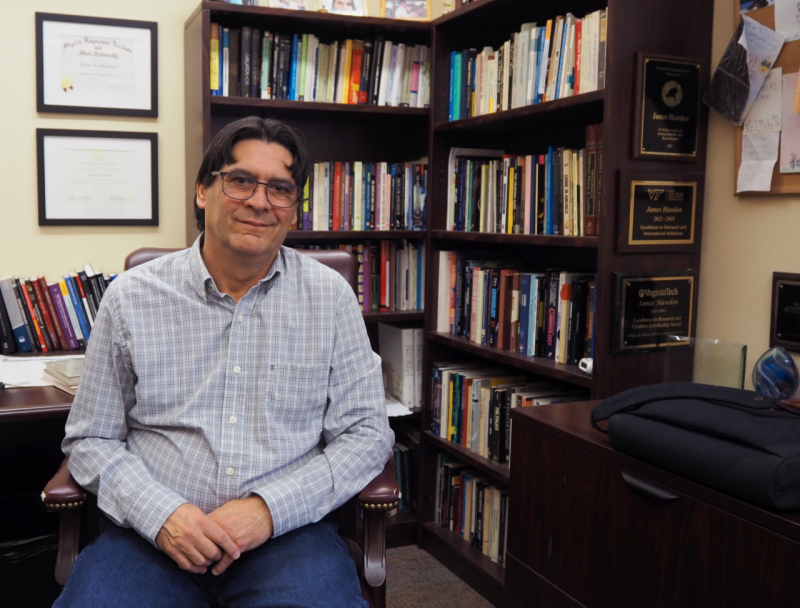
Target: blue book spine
pixel 524 307
pixel 542 34
pixel 222 45
pixel 457 84
pixel 293 73
pixel 78 306
pixel 452 84
pixel 561 58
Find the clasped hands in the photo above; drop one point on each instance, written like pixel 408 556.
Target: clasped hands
pixel 195 540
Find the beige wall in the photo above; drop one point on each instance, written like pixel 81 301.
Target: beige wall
pixel 745 239
pixel 25 247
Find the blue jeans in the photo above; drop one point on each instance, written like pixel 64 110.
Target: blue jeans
pixel 308 567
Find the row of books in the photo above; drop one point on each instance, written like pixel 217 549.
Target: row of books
pixel 299 67
pixel 473 506
pixel 546 314
pixel 406 453
pixel 563 58
pixel 364 196
pixel 471 405
pixel 391 274
pixel 39 317
pixel 559 192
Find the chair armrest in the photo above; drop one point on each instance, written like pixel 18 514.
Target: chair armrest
pixel 383 492
pixel 62 491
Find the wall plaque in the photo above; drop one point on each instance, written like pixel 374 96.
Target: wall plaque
pixel 784 327
pixel 659 212
pixel 667 108
pixel 649 308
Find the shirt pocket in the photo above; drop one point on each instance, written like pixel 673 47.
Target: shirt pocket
pixel 298 396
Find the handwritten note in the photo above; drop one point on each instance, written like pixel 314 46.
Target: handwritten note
pixel 763 46
pixel 759 154
pixel 787 19
pixel 790 135
pixel 765 113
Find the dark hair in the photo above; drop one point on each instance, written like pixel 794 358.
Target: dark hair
pixel 268 130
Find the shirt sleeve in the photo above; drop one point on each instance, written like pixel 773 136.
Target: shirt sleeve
pixel 355 429
pixel 97 430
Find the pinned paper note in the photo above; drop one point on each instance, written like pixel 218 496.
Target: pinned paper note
pixel 759 154
pixel 765 113
pixel 790 134
pixel 787 19
pixel 763 46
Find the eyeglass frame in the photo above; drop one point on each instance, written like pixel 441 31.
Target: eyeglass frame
pixel 266 185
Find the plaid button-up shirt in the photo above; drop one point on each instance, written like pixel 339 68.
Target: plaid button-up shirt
pixel 188 396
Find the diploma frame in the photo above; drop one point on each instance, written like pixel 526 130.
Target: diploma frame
pixel 145 175
pixel 146 75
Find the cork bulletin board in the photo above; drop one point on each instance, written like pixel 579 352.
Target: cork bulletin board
pixel 789 61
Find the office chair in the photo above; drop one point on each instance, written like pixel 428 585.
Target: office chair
pixel 78 524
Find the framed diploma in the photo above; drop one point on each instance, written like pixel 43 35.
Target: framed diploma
pixel 97 178
pixel 667 107
pixel 660 212
pixel 89 65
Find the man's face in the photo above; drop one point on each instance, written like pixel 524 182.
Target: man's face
pixel 254 227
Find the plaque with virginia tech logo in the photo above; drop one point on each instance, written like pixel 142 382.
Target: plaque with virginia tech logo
pixel 659 212
pixel 667 107
pixel 651 310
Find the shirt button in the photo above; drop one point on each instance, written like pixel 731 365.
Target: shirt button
pixel 229 471
pixel 237 369
pixel 240 318
pixel 233 419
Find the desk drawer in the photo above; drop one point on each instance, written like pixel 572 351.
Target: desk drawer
pixel 606 540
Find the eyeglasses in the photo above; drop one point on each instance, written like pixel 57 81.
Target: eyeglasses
pixel 242 187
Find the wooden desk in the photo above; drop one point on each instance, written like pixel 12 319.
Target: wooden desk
pixel 580 534
pixel 18 404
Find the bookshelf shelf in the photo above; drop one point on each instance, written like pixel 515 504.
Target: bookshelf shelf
pixel 394 316
pixel 466 11
pixel 532 240
pixel 341 236
pixel 586 109
pixel 500 472
pixel 537 365
pixel 464 553
pixel 237 107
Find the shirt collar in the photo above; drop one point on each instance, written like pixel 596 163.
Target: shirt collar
pixel 202 280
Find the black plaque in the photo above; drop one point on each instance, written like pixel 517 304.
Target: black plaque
pixel 662 213
pixel 784 328
pixel 669 108
pixel 650 309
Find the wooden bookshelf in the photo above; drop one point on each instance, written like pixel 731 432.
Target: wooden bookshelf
pixel 670 27
pixel 345 236
pixel 393 316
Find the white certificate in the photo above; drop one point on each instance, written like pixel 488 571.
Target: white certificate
pixel 86 65
pixel 97 179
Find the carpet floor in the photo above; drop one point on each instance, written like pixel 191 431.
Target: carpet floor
pixel 414 579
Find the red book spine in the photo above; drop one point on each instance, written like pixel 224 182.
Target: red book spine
pixel 384 275
pixel 26 296
pixel 355 75
pixel 60 331
pixel 49 320
pixel 337 195
pixel 578 55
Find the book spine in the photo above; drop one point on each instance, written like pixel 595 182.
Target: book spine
pixel 375 72
pixel 15 317
pixel 214 60
pixel 26 316
pixel 61 311
pixel 551 318
pixel 364 89
pixel 601 57
pixel 36 321
pixel 75 321
pixel 355 73
pixel 598 188
pixel 245 65
pixel 8 342
pixel 87 294
pixel 255 64
pixel 50 321
pixel 78 306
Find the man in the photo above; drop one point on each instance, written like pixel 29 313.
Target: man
pixel 229 401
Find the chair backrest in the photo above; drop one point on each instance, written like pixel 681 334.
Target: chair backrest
pixel 343 262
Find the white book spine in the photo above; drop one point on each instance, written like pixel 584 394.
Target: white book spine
pixel 504 102
pixel 443 312
pixel 397 78
pixel 533 53
pixel 225 65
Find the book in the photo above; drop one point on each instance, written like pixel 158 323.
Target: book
pixel 8 343
pixel 215 80
pixel 233 62
pixel 246 61
pixel 69 306
pixel 21 338
pixel 67 371
pixel 63 316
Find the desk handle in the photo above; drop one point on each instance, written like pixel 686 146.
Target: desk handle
pixel 644 487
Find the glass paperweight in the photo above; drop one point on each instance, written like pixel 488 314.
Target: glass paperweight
pixel 704 361
pixel 775 374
